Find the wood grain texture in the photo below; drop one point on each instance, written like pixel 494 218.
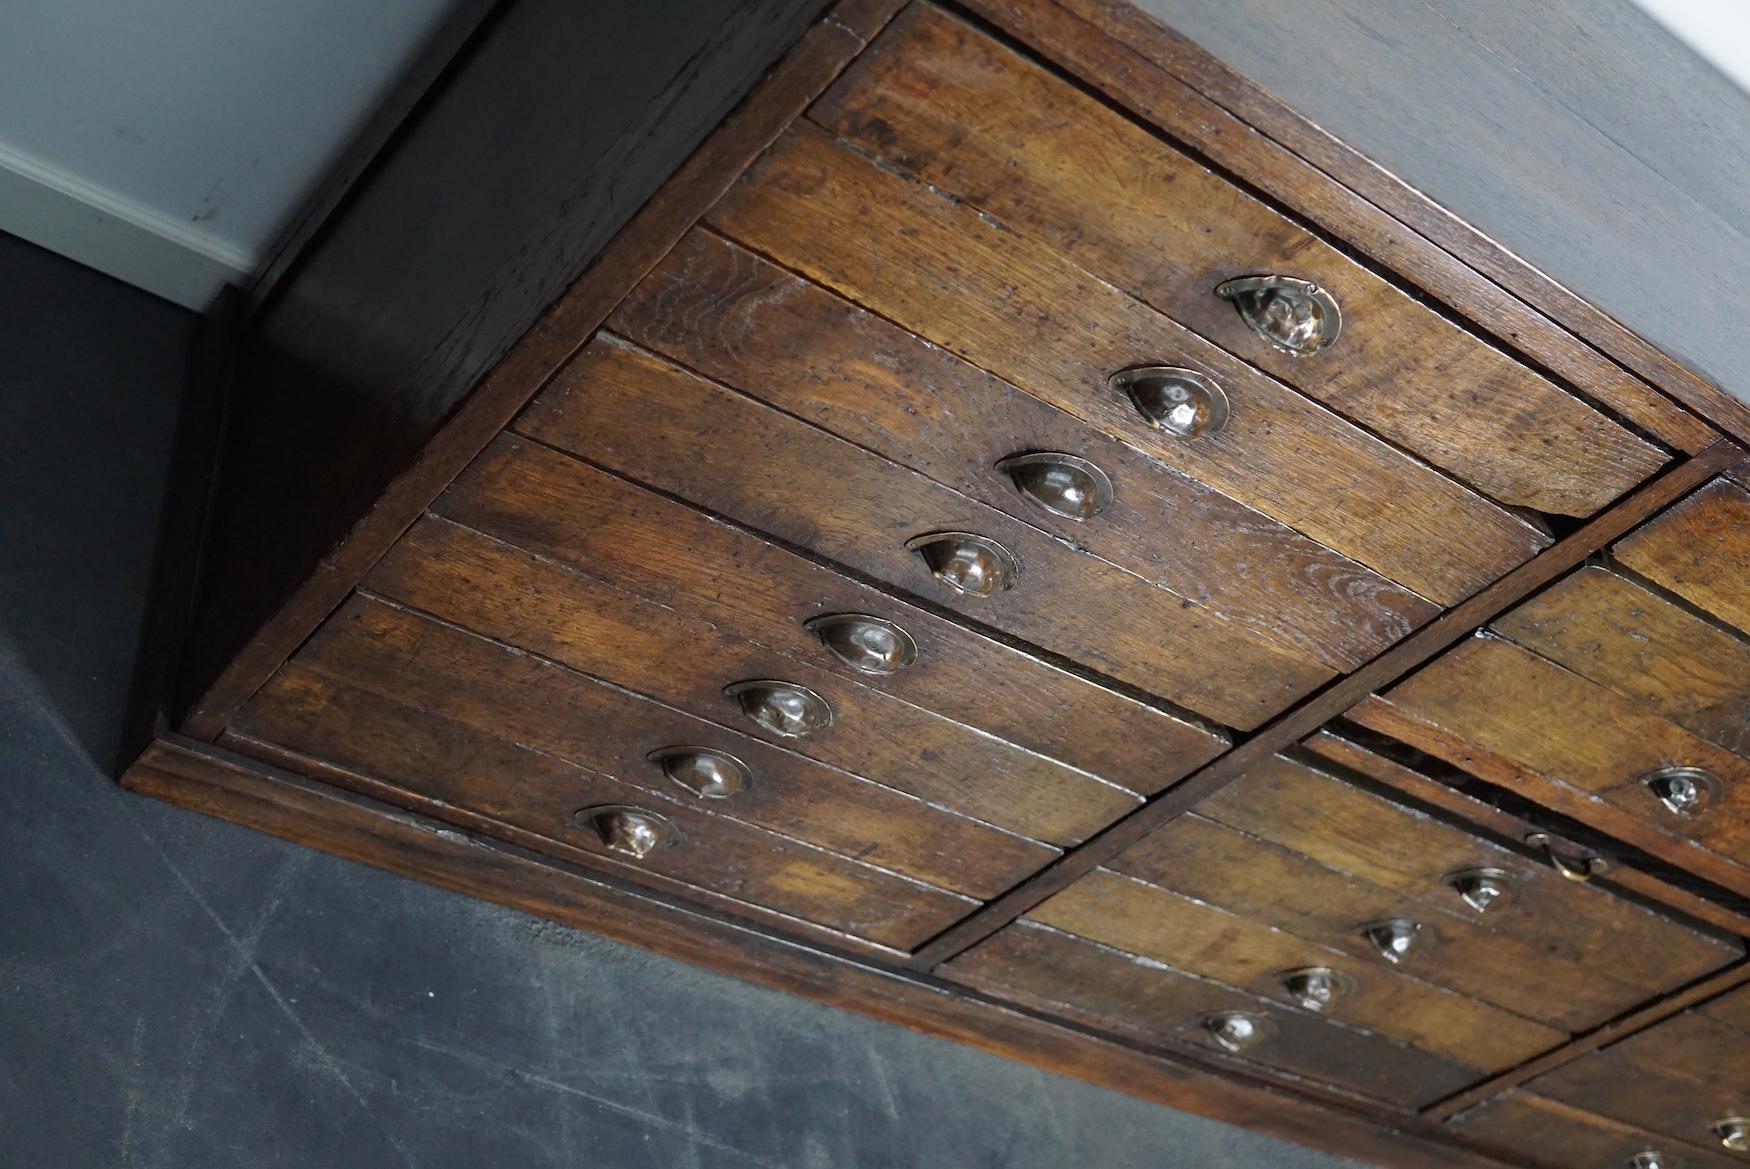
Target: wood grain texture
pixel 1571 961
pixel 1555 727
pixel 1060 972
pixel 454 765
pixel 220 783
pixel 880 239
pixel 1203 940
pixel 971 116
pixel 640 542
pixel 660 425
pixel 495 690
pixel 512 596
pixel 1146 68
pixel 725 312
pixel 253 627
pixel 1505 103
pixel 1347 695
pixel 1522 1123
pixel 1639 644
pixel 1503 826
pixel 1700 550
pixel 1676 1078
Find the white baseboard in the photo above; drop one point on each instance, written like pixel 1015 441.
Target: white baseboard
pixel 59 211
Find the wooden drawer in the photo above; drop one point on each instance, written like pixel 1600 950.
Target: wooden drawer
pixel 879 238
pixel 1052 970
pixel 1523 1124
pixel 448 768
pixel 1588 695
pixel 1563 954
pixel 981 123
pixel 646 418
pixel 570 512
pixel 813 354
pixel 1210 942
pixel 403 657
pixel 1681 1078
pixel 687 660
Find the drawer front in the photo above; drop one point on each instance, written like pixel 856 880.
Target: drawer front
pixel 1518 719
pixel 810 353
pixel 686 661
pixel 1051 970
pixel 580 811
pixel 1011 305
pixel 1522 1123
pixel 1201 939
pixel 1687 1078
pixel 665 427
pixel 1566 953
pixel 1644 646
pixel 982 123
pixel 492 689
pixel 1700 550
pixel 676 556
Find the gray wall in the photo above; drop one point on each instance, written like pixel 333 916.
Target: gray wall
pixel 179 993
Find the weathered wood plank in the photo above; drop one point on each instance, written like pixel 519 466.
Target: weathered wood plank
pixel 971 116
pixel 720 309
pixel 1014 307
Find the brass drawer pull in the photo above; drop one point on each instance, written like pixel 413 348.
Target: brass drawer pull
pixel 1583 869
pixel 1651 1159
pixel 1484 889
pixel 1317 988
pixel 1181 402
pixel 1061 484
pixel 627 830
pixel 1295 315
pixel 1734 1133
pixel 970 564
pixel 871 645
pixel 1237 1031
pixel 707 773
pixel 783 708
pixel 1684 791
pixel 1396 938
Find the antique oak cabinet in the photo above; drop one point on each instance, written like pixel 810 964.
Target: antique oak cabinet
pixel 1025 537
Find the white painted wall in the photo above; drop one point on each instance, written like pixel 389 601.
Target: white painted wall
pixel 168 142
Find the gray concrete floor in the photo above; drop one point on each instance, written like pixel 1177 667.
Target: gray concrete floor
pixel 179 993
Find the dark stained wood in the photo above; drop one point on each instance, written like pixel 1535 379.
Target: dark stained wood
pixel 968 115
pixel 1058 971
pixel 1554 735
pixel 453 765
pixel 1676 1078
pixel 1505 826
pixel 880 238
pixel 1567 960
pixel 1520 1123
pixel 663 426
pixel 731 315
pixel 255 653
pixel 1307 718
pixel 512 596
pixel 1616 1029
pixel 640 542
pixel 495 690
pixel 1700 550
pixel 1203 940
pixel 1639 644
pixel 1141 64
pixel 220 783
